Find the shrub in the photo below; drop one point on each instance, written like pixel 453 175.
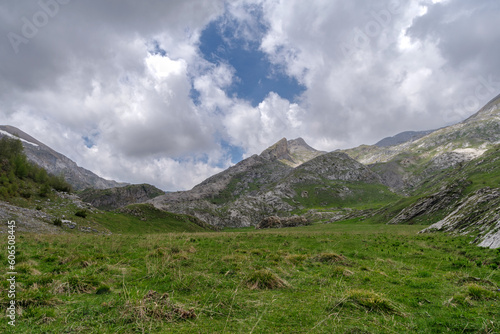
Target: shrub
pixel 81 213
pixel 44 190
pixel 58 222
pixel 59 184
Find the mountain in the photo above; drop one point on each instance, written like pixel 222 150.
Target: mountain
pixel 56 163
pixel 447 180
pixel 403 137
pixel 267 184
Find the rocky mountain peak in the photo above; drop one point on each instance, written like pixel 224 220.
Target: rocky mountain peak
pixel 278 151
pixel 292 152
pixel 298 145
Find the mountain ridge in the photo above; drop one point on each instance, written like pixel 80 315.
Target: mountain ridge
pixel 433 179
pixel 56 163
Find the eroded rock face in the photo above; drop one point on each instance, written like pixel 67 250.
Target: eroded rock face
pixel 338 166
pixel 477 214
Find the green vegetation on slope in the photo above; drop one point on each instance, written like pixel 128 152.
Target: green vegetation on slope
pixel 20 178
pixel 145 218
pixel 349 277
pixel 339 194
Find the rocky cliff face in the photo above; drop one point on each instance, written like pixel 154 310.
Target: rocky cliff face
pixel 56 163
pixel 339 166
pixel 444 199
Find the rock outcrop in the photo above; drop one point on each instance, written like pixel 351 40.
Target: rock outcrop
pixel 478 215
pixel 280 222
pixel 113 198
pixel 337 166
pixel 430 204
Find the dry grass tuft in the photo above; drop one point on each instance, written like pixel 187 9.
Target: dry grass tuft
pixel 330 258
pixel 265 279
pixel 368 300
pixel 295 259
pixel 156 307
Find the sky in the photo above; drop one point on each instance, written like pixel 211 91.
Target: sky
pixel 171 92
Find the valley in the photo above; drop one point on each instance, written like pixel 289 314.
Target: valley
pixel 397 237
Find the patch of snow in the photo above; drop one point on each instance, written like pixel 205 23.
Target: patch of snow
pixel 12 136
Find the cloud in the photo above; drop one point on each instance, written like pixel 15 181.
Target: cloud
pixel 257 128
pixel 123 88
pixel 375 69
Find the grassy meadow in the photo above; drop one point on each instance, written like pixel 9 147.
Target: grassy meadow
pixel 349 277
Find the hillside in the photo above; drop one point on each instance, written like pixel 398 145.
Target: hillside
pixel 43 203
pixel 401 138
pixel 114 198
pixel 464 141
pixel 56 163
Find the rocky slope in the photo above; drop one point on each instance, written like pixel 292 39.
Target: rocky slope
pixel 40 219
pixel 401 138
pixel 56 163
pixel 478 214
pixel 113 198
pixel 461 200
pixel 291 152
pixel 469 139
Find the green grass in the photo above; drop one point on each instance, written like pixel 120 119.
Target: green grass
pixel 348 277
pixel 339 194
pixel 144 219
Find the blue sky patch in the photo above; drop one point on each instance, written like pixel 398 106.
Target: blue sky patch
pixel 235 152
pixel 88 141
pixel 222 42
